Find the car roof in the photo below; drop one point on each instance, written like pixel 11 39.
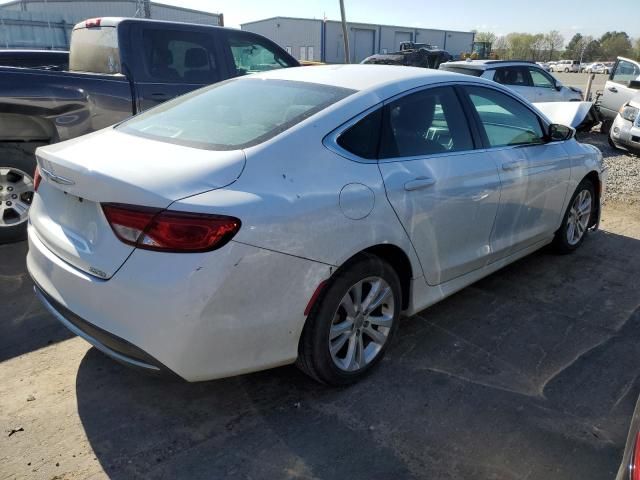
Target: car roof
pixel 487 64
pixel 361 76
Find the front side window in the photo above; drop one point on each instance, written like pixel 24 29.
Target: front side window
pixel 540 79
pixel 625 72
pixel 178 56
pixel 516 76
pixel 425 123
pixel 235 114
pixel 252 55
pixel 506 121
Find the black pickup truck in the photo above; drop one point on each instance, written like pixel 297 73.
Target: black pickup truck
pixel 117 68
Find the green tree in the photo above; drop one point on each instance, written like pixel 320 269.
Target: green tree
pixel 554 43
pixel 485 37
pixel 575 45
pixel 614 44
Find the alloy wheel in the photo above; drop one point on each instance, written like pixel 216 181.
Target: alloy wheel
pixel 361 324
pixel 579 215
pixel 16 195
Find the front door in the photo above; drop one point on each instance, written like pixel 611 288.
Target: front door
pixel 534 173
pixel 444 192
pixel 616 90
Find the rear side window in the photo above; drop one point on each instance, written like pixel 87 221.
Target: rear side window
pixel 362 138
pixel 95 50
pixel 179 56
pixel 516 76
pixel 252 54
pixel 424 123
pixel 234 114
pixel 506 121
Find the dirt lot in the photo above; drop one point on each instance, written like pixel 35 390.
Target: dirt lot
pixel 530 373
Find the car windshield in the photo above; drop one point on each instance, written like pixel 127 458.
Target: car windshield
pixel 235 114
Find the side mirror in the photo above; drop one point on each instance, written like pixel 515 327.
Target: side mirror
pixel 635 84
pixel 557 85
pixel 560 133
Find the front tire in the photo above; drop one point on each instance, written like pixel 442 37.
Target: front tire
pixel 352 323
pixel 577 219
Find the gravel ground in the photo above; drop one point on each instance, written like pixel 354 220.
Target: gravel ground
pixel 623 183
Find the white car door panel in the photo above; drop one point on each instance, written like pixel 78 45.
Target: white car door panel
pixel 534 175
pixel 445 194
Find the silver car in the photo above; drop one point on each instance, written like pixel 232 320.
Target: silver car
pixel 625 131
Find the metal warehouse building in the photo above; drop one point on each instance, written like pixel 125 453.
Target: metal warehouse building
pixel 322 40
pixel 48 23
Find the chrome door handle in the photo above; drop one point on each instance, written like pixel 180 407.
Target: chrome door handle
pixel 613 89
pixel 418 183
pixel 513 165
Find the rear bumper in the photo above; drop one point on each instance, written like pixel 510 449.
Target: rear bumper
pixel 202 316
pixel 109 344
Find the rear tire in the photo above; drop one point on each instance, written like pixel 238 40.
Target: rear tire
pixel 577 219
pixel 346 336
pixel 17 164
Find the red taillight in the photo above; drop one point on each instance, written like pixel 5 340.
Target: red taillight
pixel 36 179
pixel 170 231
pixel 634 466
pixel 92 22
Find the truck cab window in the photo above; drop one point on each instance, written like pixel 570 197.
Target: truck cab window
pixel 179 56
pixel 252 55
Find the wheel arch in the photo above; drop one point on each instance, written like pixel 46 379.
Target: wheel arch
pixel 397 258
pixel 594 178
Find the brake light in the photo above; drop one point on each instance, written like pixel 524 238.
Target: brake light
pixel 169 231
pixel 92 22
pixel 36 179
pixel 634 466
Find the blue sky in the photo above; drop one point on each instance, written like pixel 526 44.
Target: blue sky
pixel 589 17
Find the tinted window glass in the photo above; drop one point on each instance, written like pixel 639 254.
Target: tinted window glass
pixel 253 55
pixel 234 114
pixel 506 121
pixel 517 76
pixel 95 50
pixel 362 138
pixel 423 123
pixel 540 79
pixel 625 72
pixel 178 56
pixel 476 72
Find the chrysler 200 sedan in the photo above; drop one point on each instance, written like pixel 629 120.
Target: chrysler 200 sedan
pixel 294 215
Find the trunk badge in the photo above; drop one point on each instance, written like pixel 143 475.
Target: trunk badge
pixel 56 178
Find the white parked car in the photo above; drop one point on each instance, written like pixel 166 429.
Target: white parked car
pixel 292 216
pixel 566 66
pixel 527 78
pixel 597 68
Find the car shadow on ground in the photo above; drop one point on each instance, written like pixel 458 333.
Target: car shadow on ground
pixel 529 373
pixel 25 325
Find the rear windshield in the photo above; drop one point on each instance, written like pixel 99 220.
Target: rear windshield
pixel 476 72
pixel 95 50
pixel 238 113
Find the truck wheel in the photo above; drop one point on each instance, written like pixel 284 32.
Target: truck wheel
pixel 17 164
pixel 566 70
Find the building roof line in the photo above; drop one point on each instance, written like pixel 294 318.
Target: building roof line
pixel 353 23
pixel 159 4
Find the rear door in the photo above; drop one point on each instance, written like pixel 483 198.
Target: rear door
pixel 517 79
pixel 534 173
pixel 444 192
pixel 174 61
pixel 616 90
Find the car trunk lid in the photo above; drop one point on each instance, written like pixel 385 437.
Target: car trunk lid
pixel 113 167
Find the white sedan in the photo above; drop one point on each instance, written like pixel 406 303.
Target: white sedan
pixel 294 215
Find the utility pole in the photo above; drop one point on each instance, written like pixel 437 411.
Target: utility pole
pixel 345 33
